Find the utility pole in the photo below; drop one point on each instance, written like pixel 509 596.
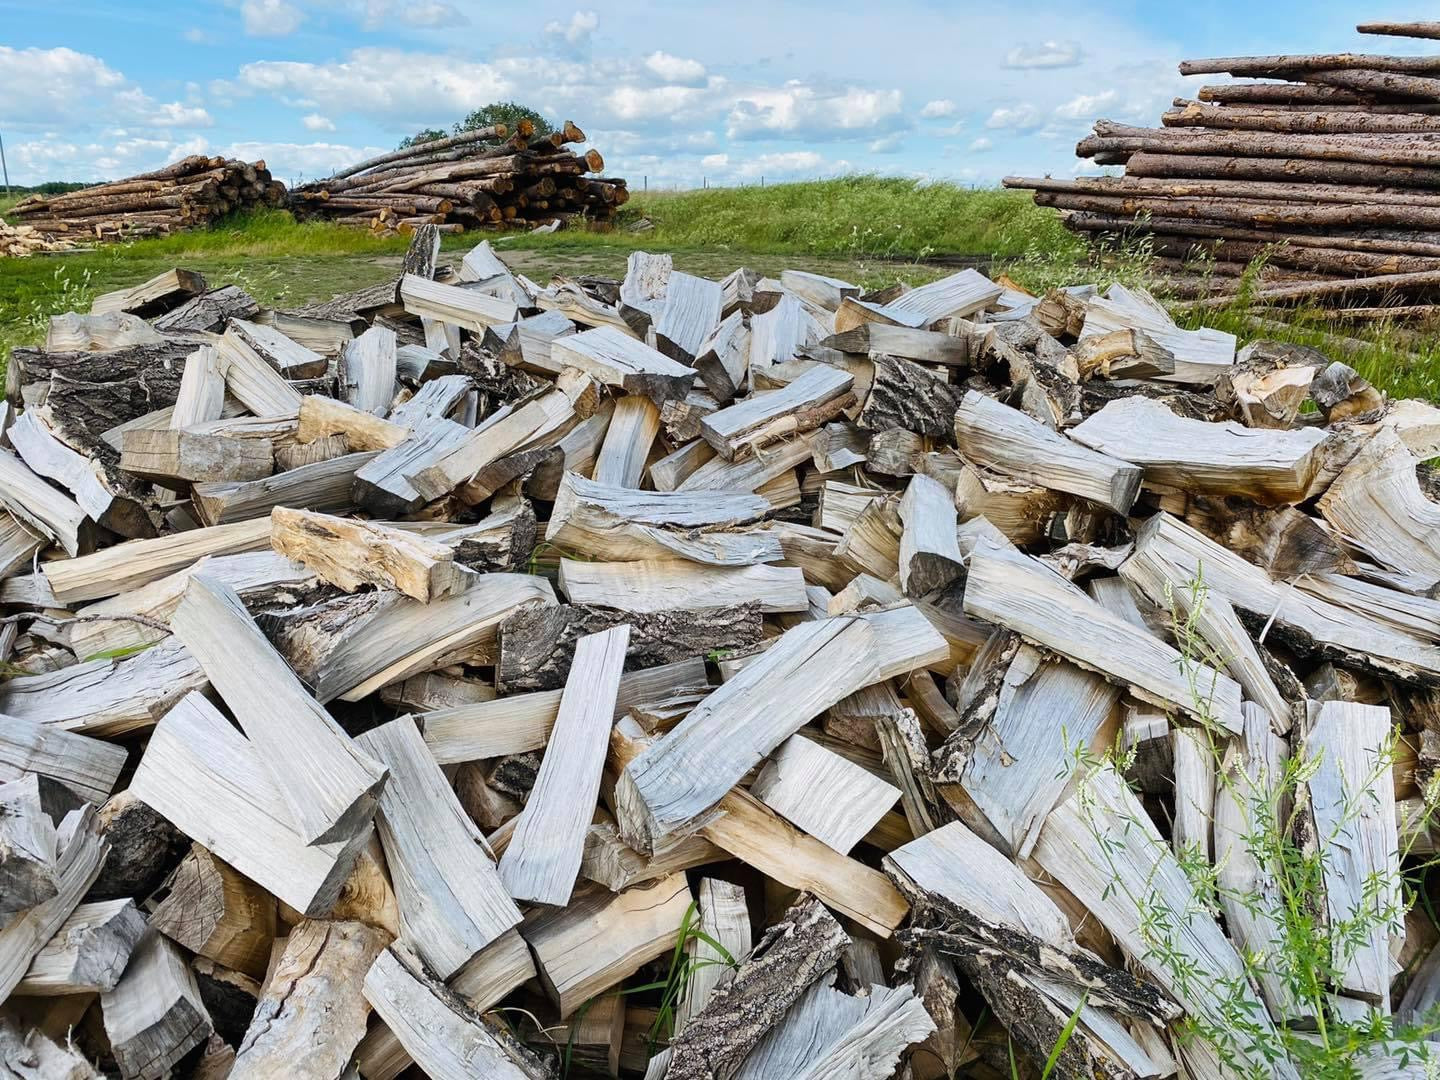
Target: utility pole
pixel 3 167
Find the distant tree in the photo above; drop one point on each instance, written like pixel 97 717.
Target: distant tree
pixel 427 135
pixel 508 113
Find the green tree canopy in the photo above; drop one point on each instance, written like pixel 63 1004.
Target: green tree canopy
pixel 424 136
pixel 508 113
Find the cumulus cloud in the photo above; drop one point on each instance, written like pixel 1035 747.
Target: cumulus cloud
pixel 933 110
pixel 1024 117
pixel 423 14
pixel 675 69
pixel 887 144
pixel 1086 106
pixel 316 122
pixel 174 114
pixel 270 18
pixel 577 31
pixel 291 161
pixel 1047 54
pixel 980 145
pixel 797 108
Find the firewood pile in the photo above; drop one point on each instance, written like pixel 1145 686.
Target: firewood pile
pixel 17 241
pixel 188 194
pixel 1330 168
pixel 683 678
pixel 486 178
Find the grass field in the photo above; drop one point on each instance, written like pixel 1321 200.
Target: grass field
pixel 866 229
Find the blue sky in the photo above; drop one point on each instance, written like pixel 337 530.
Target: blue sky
pixel 729 92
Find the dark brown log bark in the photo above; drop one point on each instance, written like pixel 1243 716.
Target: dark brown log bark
pixel 905 395
pixel 1196 114
pixel 1195 166
pixel 538 644
pixel 1373 149
pixel 800 948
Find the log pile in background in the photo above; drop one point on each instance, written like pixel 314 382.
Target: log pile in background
pixel 190 193
pixel 1327 164
pixel 484 178
pixel 17 241
pixel 398 683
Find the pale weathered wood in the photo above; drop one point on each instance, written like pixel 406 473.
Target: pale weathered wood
pixel 313 1012
pixel 165 290
pixel 997 437
pixel 542 861
pixel 601 938
pixel 1352 805
pixel 80 854
pixel 817 289
pixel 72 332
pixel 670 584
pixel 351 646
pixel 291 359
pixel 622 524
pixel 97 492
pixel 929 552
pixel 832 799
pixel 724 358
pixel 86 766
pixel 750 473
pixel 722 915
pixel 615 359
pixel 351 554
pixel 793 953
pixel 466 308
pixel 1100 845
pixel 958 296
pixel 1169 552
pixel 1249 893
pixel 383 485
pixel 1193 754
pixel 34 1055
pixel 207 779
pixel 815 397
pixel 322 416
pixel 451 898
pixel 688 316
pixel 154 1015
pixel 28 874
pixel 328 785
pixel 1016 592
pixel 671 786
pixel 214 911
pixel 444 1035
pixel 1227 458
pixel 756 835
pixel 1045 717
pixel 252 380
pixel 1377 505
pixel 105 697
pixel 89 952
pixel 1201 356
pixel 42 508
pixel 626 446
pixel 325 486
pixel 367 370
pixel 171 455
pixel 922 346
pixel 519 723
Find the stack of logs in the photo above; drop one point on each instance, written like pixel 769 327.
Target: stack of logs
pixel 1331 173
pixel 192 192
pixel 17 241
pixel 485 178
pixel 707 679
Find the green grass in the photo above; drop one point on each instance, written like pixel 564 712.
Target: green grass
pixel 867 229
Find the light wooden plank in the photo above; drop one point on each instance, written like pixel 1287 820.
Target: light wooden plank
pixel 670 584
pixel 466 308
pixel 832 799
pixel 615 359
pixel 154 1015
pixel 543 859
pixel 671 786
pixel 451 898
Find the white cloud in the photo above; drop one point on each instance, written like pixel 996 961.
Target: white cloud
pixel 316 122
pixel 174 114
pixel 196 36
pixel 291 161
pixel 1086 106
pixel 424 14
pixel 949 131
pixel 1023 117
pixel 270 18
pixel 675 69
pixel 578 30
pixel 887 144
pixel 939 107
pixel 797 108
pixel 1048 54
pixel 980 145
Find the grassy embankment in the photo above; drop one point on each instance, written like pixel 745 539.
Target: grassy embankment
pixel 871 230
